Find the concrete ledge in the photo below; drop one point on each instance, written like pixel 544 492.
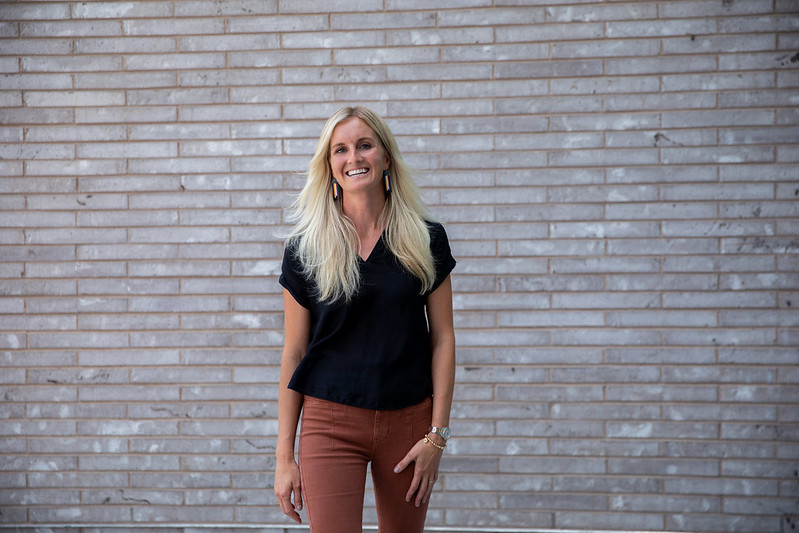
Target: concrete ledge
pixel 265 528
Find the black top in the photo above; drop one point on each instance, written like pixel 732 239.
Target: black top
pixel 374 351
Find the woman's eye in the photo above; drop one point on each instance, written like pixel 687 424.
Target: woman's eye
pixel 339 150
pixel 365 146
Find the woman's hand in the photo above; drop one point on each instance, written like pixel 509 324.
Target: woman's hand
pixel 288 489
pixel 426 459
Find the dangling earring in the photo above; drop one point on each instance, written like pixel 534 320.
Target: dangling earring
pixel 336 190
pixel 386 181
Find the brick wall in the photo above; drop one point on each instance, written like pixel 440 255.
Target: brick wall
pixel 619 181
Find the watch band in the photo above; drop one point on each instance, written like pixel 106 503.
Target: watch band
pixel 443 431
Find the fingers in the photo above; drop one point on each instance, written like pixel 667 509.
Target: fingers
pixel 413 488
pixel 425 490
pixel 284 502
pixel 424 475
pixel 298 498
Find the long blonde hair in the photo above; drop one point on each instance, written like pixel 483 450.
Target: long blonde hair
pixel 325 239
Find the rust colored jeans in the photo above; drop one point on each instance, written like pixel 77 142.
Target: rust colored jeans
pixel 336 444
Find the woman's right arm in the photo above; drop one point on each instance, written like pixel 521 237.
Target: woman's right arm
pixel 288 488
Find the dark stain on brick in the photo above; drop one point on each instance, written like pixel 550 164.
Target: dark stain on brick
pixel 786 60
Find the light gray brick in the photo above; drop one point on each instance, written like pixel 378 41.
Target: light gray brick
pixel 66 28
pixel 720 412
pixel 604 264
pixel 585 337
pixel 498 52
pixel 548 69
pixel 436 36
pixel 229 113
pixel 605 121
pixel 500 301
pixel 550 32
pixel 129 251
pixel 181 96
pixel 70 64
pixel 601 412
pixel 550 248
pixel 124 218
pixel 129 115
pixel 37 116
pixel 717 264
pixel 720 337
pixel 717 81
pixel 226 392
pixel 127 150
pixel 664 319
pixel 32 220
pixel 74 98
pixel 170 62
pixel 74 235
pixel 607 48
pixel 674 26
pixel 535 465
pixel 160 132
pixel 196 165
pixel 604 300
pixel 174 339
pixel 721 154
pixel 695 137
pixel 543 355
pixel 718 228
pixel 607 85
pixel 174 26
pixel 632 521
pixel 332 40
pixel 117 10
pixel 754 173
pixel 34 12
pixel 758 245
pixel 198 78
pixel 718 300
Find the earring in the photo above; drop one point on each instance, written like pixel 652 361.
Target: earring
pixel 336 190
pixel 386 181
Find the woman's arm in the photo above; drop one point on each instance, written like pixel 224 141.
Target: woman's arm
pixel 442 337
pixel 288 487
pixel 425 456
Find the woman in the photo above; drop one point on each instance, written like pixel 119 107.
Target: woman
pixel 369 354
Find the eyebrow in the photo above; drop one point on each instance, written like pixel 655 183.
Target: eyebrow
pixel 359 140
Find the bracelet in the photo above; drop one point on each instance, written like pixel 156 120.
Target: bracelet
pixel 427 440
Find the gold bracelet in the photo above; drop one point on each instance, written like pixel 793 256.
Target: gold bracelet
pixel 427 440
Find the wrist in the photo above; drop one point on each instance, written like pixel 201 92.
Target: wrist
pixel 442 431
pixel 284 455
pixel 438 439
pixel 431 442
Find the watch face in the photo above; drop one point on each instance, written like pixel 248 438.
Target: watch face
pixel 445 433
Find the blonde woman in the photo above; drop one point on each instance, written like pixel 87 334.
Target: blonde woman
pixel 369 353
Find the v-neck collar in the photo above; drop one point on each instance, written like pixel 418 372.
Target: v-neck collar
pixel 373 251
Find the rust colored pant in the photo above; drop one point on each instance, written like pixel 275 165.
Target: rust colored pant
pixel 336 444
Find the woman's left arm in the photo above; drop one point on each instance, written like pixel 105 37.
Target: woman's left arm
pixel 425 456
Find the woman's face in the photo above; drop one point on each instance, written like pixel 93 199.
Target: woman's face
pixel 357 157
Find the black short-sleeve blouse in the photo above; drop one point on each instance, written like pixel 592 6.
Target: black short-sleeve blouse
pixel 374 351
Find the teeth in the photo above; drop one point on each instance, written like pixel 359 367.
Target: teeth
pixel 356 172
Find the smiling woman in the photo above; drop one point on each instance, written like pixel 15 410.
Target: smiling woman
pixel 369 354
